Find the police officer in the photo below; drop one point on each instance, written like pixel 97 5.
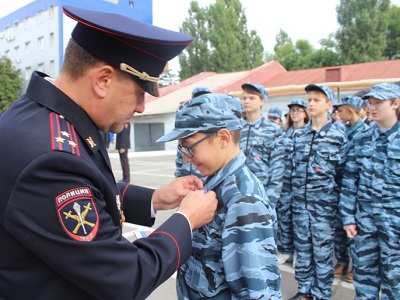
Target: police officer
pixel 60 208
pixel 369 199
pixel 122 144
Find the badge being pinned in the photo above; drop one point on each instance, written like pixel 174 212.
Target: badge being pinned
pixel 78 214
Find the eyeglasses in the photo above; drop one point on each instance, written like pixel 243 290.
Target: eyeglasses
pixel 187 150
pixel 296 110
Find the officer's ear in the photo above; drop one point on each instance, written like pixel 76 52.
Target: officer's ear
pixel 102 78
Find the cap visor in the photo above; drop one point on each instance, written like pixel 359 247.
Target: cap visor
pixel 148 86
pixel 175 134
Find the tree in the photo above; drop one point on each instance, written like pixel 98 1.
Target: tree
pixel 392 50
pixel 11 84
pixel 168 78
pixel 363 24
pixel 222 41
pixel 284 50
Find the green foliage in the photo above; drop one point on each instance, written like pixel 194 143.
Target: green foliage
pixel 361 37
pixel 392 50
pixel 11 84
pixel 222 41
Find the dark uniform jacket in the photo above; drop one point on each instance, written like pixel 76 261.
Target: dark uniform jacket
pixel 59 218
pixel 123 138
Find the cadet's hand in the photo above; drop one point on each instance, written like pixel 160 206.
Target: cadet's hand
pixel 351 230
pixel 171 195
pixel 199 207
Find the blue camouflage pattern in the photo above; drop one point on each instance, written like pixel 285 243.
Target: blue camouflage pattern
pixel 234 256
pixel 318 162
pixel 209 112
pixel 200 90
pixel 370 200
pixel 384 91
pixel 257 87
pixel 342 242
pixel 322 88
pixel 275 112
pixel 352 101
pixel 299 102
pixel 285 240
pixel 262 143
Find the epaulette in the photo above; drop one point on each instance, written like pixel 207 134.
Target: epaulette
pixel 63 136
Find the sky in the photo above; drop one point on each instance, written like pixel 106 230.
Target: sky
pixel 311 20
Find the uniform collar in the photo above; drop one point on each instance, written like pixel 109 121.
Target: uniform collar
pixel 237 162
pixel 390 134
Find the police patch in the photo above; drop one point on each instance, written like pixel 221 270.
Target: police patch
pixel 78 214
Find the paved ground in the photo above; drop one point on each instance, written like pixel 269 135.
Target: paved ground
pixel 154 169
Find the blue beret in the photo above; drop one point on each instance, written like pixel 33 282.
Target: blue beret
pixel 384 91
pixel 257 87
pixel 138 48
pixel 275 112
pixel 206 113
pixel 322 88
pixel 298 102
pixel 352 101
pixel 200 90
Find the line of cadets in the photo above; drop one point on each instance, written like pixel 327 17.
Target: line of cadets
pixel 315 162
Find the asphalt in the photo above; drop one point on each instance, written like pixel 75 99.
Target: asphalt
pixel 154 169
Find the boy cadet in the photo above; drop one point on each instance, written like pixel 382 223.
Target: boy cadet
pixel 234 256
pixel 275 115
pixel 262 142
pixel 369 200
pixel 183 169
pixel 349 111
pixel 60 208
pixel 320 150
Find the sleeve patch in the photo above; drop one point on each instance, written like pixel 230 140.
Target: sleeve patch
pixel 63 135
pixel 77 214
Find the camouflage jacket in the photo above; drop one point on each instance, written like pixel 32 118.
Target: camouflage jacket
pixel 318 163
pixel 236 250
pixel 372 172
pixel 262 143
pixel 355 129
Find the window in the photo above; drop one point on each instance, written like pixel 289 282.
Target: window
pixel 16 52
pixel 27 74
pixel 131 4
pixel 27 47
pixel 16 27
pixel 51 11
pixel 40 67
pixel 51 40
pixel 39 17
pixel 7 53
pixel 52 67
pixel 26 23
pixel 40 45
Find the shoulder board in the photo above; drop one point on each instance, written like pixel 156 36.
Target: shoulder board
pixel 63 136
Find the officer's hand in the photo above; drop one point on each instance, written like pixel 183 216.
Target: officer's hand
pixel 171 195
pixel 199 207
pixel 351 230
